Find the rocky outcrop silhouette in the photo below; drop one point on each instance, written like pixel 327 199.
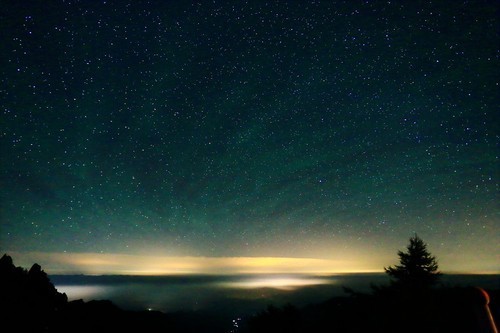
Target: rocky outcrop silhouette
pixel 28 296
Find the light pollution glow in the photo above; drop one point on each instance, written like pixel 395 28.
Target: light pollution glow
pixel 100 264
pixel 126 264
pixel 281 283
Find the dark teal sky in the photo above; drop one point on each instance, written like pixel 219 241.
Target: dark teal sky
pixel 248 129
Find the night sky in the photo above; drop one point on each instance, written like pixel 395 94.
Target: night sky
pixel 328 130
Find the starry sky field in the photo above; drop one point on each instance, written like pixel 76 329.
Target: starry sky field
pixel 318 131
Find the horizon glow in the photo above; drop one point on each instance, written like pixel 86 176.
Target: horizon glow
pixel 122 264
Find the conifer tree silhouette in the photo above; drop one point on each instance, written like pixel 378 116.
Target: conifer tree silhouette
pixel 417 268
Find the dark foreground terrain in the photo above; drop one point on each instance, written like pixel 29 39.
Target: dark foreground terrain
pixel 386 310
pixel 29 301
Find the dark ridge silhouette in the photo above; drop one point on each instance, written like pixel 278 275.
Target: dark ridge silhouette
pixel 31 303
pixel 273 319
